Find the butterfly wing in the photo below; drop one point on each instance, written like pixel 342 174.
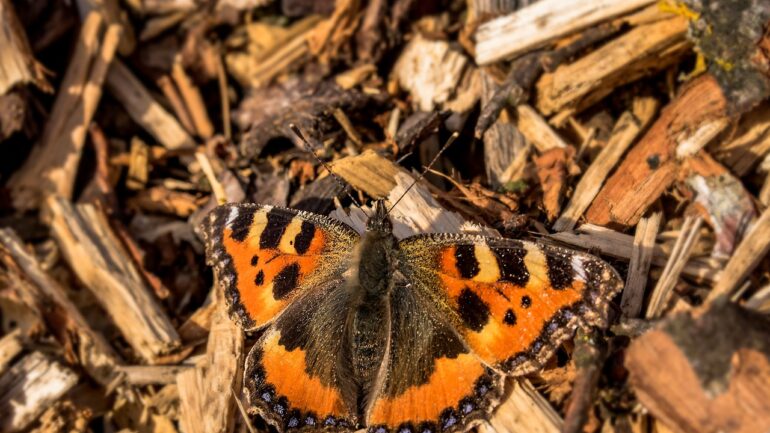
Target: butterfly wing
pixel 266 256
pixel 296 375
pixel 513 301
pixel 432 381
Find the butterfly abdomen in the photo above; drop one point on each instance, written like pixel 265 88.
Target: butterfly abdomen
pixel 369 317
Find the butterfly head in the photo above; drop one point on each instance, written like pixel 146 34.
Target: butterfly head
pixel 379 222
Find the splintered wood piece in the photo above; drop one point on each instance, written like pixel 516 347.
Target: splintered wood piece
pixel 145 110
pixel 760 301
pixel 725 204
pixel 651 166
pixel 196 327
pixel 553 168
pixel 158 7
pixel 525 410
pixel 139 166
pixel 705 372
pixel 220 195
pixel 764 193
pixel 143 375
pixel 64 319
pixel 643 51
pixel 191 400
pixel 347 126
pixel 503 143
pixel 102 263
pixel 747 145
pixel 542 22
pixel 619 245
pixel 207 391
pixel 749 253
pixel 536 129
pixel 680 254
pixel 52 166
pixel 17 63
pixel 11 345
pixel 430 70
pixel 32 385
pixel 271 50
pixel 639 265
pixel 623 135
pixel 589 355
pixel 170 91
pixel 193 101
pixel 111 11
pixel 702 136
pixel 369 172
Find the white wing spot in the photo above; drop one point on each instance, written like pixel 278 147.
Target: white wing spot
pixel 579 267
pixel 233 215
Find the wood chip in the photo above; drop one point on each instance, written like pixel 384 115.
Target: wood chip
pixel 639 266
pixel 642 51
pixel 193 101
pixel 745 258
pixel 143 375
pixel 619 245
pixel 623 135
pixel 207 391
pixel 716 375
pixel 747 145
pixel 553 167
pixel 11 345
pixel 680 254
pixel 650 167
pixel 536 129
pixel 17 62
pixel 51 167
pixel 145 111
pixel 524 410
pixel 542 22
pixel 30 387
pixel 64 319
pixel 430 71
pixel 101 262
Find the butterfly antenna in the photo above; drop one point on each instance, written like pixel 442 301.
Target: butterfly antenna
pixel 309 149
pixel 446 145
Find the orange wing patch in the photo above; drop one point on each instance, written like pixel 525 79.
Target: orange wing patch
pixel 457 393
pixel 515 301
pixel 285 372
pixel 282 391
pixel 267 278
pixel 503 317
pixel 265 257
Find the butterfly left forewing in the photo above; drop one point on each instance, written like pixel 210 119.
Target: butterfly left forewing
pixel 514 301
pixel 266 256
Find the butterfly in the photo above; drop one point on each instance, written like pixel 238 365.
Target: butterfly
pixel 412 335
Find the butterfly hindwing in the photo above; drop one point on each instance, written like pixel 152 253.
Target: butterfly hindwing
pixel 432 381
pixel 296 377
pixel 514 301
pixel 266 256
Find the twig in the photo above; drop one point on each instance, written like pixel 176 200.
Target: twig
pixel 688 237
pixel 745 258
pixel 639 266
pixel 626 130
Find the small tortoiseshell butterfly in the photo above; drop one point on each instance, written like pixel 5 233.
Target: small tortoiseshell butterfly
pixel 413 335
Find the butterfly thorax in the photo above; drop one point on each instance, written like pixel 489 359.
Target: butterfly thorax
pixel 370 312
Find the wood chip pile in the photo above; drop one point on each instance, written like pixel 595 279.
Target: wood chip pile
pixel 638 130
